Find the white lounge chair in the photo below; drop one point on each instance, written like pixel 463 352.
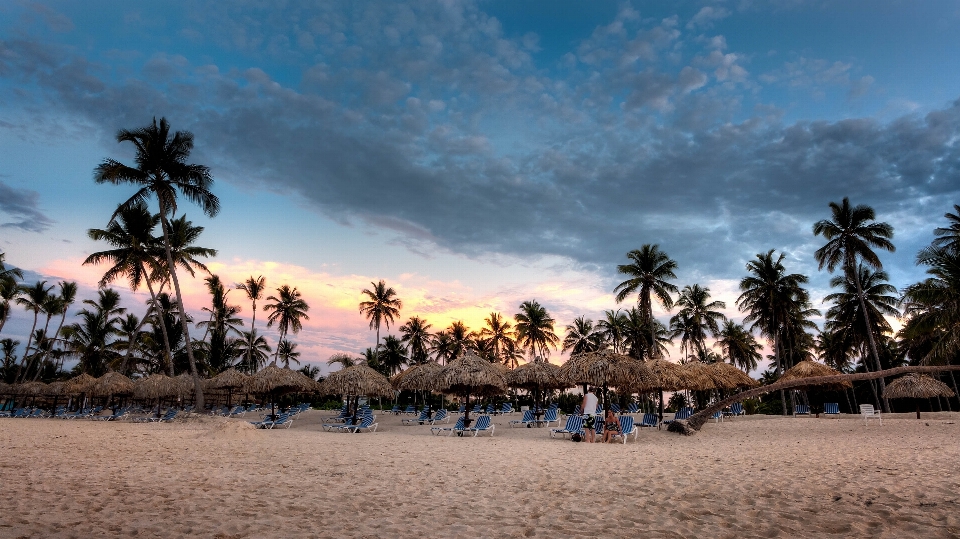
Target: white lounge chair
pixel 869 413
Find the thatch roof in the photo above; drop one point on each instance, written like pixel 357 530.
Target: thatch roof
pixel 228 379
pixel 810 369
pixel 55 389
pixel 537 375
pixel 667 373
pixel 112 383
pixel 418 377
pixel 697 376
pixel 5 389
pixel 917 386
pixel 31 389
pixel 471 374
pixel 727 376
pixel 155 386
pixel 79 384
pixel 617 370
pixel 357 380
pixel 274 379
pixel 183 385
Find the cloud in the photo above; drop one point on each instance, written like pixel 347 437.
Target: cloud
pixel 707 16
pixel 23 206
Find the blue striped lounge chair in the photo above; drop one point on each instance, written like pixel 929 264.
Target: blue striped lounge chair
pixel 439 417
pixel 457 427
pixel 463 408
pixel 831 408
pixel 802 409
pixel 573 425
pixel 490 410
pixel 424 416
pixel 551 416
pixel 506 408
pixel 650 420
pixel 577 410
pixel 527 419
pixel 477 409
pixel 330 427
pixel 615 407
pixel 627 429
pixel 633 408
pixel 366 424
pixel 717 416
pixel 737 409
pixel 268 423
pixel 340 418
pixel 283 420
pixel 683 413
pixel 483 424
pixel 395 410
pixel 410 410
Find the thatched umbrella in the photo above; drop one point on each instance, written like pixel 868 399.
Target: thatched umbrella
pixel 697 376
pixel 810 369
pixel 112 383
pixel 274 380
pixel 417 377
pixel 155 386
pixel 609 369
pixel 668 378
pixel 354 382
pixel 230 380
pixel 917 386
pixel 56 390
pixel 726 376
pixel 468 375
pixel 31 389
pixel 79 384
pixel 537 376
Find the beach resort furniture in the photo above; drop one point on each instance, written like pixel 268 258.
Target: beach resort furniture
pixel 684 413
pixel 868 413
pixel 627 428
pixel 477 409
pixel 490 410
pixel 483 424
pixel 650 420
pixel 366 424
pixel 802 409
pixel 717 416
pixel 344 415
pixel 615 407
pixel 633 408
pixel 527 419
pixel 395 410
pixel 440 416
pixel 458 427
pixel 283 420
pixel 410 410
pixel 505 408
pixel 424 416
pixel 737 409
pixel 550 416
pixel 331 426
pixel 577 410
pixel 573 425
pixel 831 408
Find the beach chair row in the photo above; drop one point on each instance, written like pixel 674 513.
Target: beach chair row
pixel 483 423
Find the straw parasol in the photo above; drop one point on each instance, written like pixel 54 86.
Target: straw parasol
pixel 112 383
pixel 537 376
pixel 183 385
pixel 155 386
pixel 668 376
pixel 917 386
pixel 354 382
pixel 79 384
pixel 697 376
pixel 809 369
pixel 273 380
pixel 605 369
pixel 230 380
pixel 32 389
pixel 726 376
pixel 417 377
pixel 468 375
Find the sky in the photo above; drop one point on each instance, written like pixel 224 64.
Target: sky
pixel 475 155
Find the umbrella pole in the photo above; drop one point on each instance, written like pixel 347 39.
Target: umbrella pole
pixel 660 406
pixel 918 408
pixel 466 414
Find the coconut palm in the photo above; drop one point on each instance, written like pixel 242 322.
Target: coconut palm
pixel 8 288
pixel 498 334
pixel 162 172
pixel 9 349
pixel 253 351
pixel 851 236
pixel 287 352
pixel 461 338
pixel 392 356
pixel 253 287
pixel 92 338
pixel 33 298
pixel 381 307
pixel 739 346
pixel 416 334
pixel 581 337
pixel 699 316
pixel 649 271
pixel 68 295
pixel 846 315
pixel 221 326
pixel 947 237
pixel 612 329
pixel 535 329
pixel 443 347
pixel 342 359
pixel 287 311
pixel 932 307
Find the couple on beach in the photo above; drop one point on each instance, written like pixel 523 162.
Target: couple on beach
pixel 589 407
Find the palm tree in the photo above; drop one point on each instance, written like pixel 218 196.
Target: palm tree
pixel 223 323
pixel 134 256
pixel 91 339
pixel 8 288
pixel 699 316
pixel 581 337
pixel 68 295
pixel 947 237
pixel 9 349
pixel 253 288
pixel 612 329
pixel 287 311
pixel 461 338
pixel 342 359
pixel 382 306
pixel 33 298
pixel 499 335
pixel 851 236
pixel 535 329
pixel 392 355
pixel 443 347
pixel 253 351
pixel 287 352
pixel 738 344
pixel 416 333
pixel 310 371
pixel 649 271
pixel 162 171
pixel 932 307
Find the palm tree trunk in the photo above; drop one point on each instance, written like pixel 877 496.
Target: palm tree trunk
pixel 776 358
pixel 198 387
pixel 276 354
pixel 870 339
pixel 168 355
pixel 253 329
pixel 23 362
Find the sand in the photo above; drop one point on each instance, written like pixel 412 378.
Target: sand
pixel 747 477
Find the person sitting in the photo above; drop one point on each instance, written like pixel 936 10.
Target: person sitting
pixel 611 426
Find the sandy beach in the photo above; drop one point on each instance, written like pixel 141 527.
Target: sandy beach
pixel 747 477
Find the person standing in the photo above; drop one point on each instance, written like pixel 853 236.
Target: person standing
pixel 589 409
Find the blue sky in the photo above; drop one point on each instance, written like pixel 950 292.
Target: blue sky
pixel 482 154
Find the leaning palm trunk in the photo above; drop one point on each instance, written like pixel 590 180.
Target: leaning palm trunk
pixel 168 355
pixel 23 362
pixel 198 387
pixel 870 339
pixel 693 424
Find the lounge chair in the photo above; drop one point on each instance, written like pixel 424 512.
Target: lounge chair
pixel 615 407
pixel 343 416
pixel 683 413
pixel 329 427
pixel 551 416
pixel 524 421
pixel 633 408
pixel 577 410
pixel 440 416
pixel 831 408
pixel 717 416
pixel 410 410
pixel 424 416
pixel 737 409
pixel 283 420
pixel 457 427
pixel 268 423
pixel 367 424
pixel 395 410
pixel 627 428
pixel 574 425
pixel 505 408
pixel 483 424
pixel 650 420
pixel 868 412
pixel 801 409
pixel 477 409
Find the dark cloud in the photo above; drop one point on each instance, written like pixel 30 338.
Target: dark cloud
pixel 23 206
